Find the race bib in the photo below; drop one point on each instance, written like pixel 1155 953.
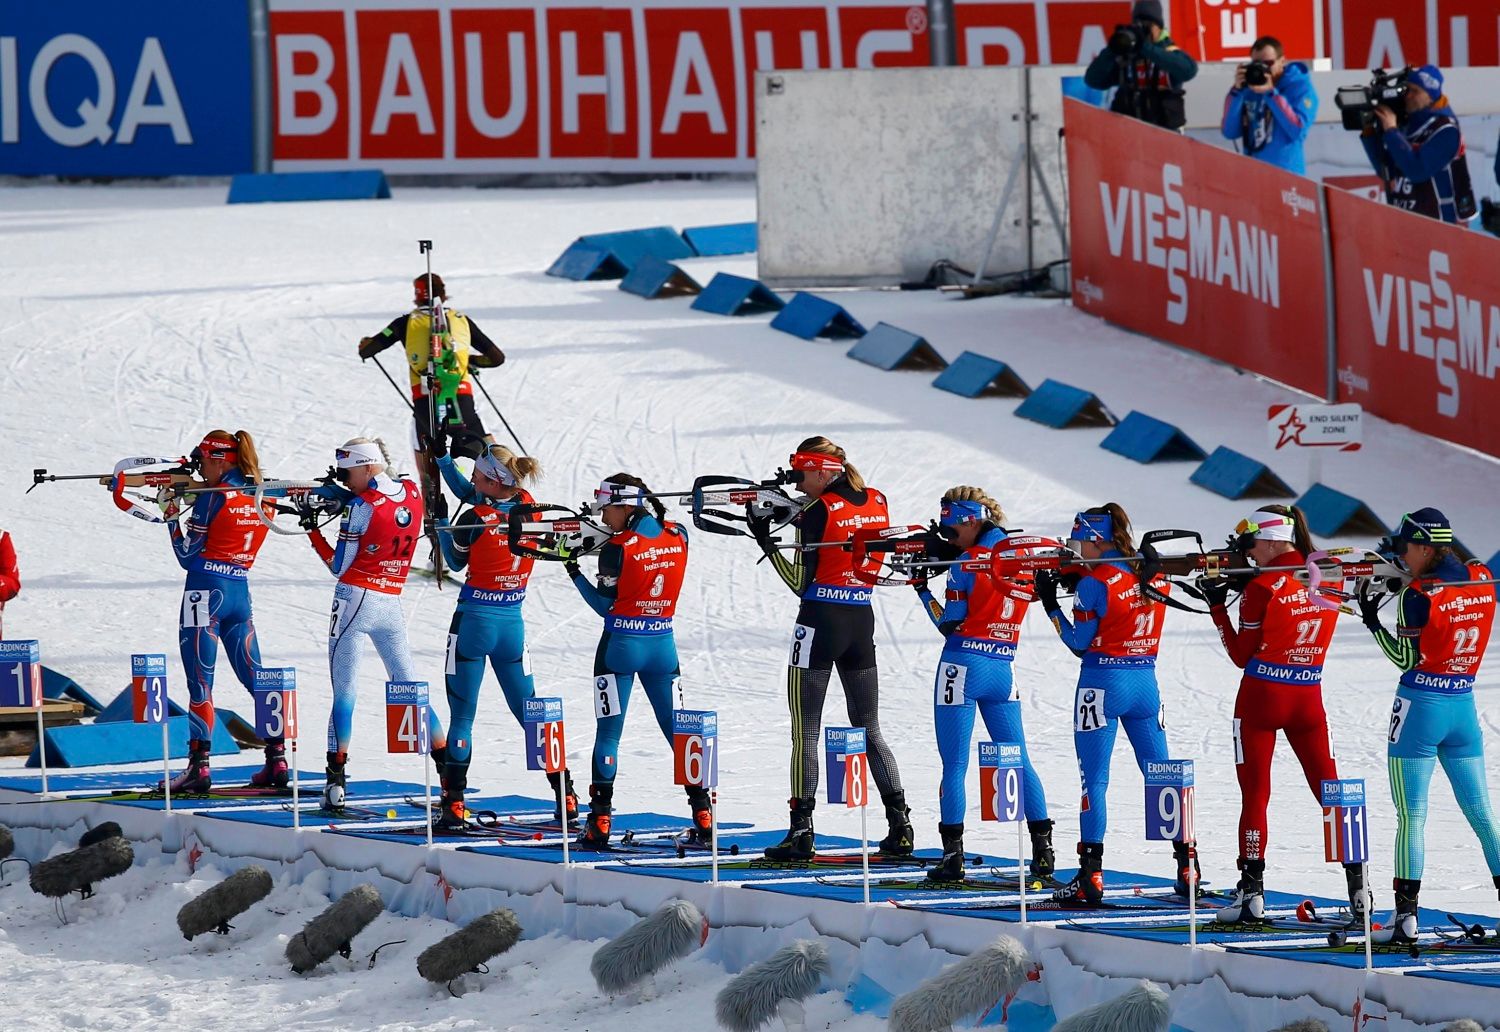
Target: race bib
pixel 949 690
pixel 1239 748
pixel 336 617
pixel 677 691
pixel 1088 709
pixel 1161 716
pixel 526 660
pixel 802 641
pixel 606 696
pixel 195 608
pixel 1015 692
pixel 1398 719
pixel 450 663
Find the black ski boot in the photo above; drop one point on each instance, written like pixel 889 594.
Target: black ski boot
pixel 702 831
pixel 195 777
pixel 1249 903
pixel 899 839
pixel 951 867
pixel 1087 886
pixel 1043 859
pixel 275 773
pixel 336 776
pixel 570 796
pixel 452 815
pixel 1186 855
pixel 1401 927
pixel 601 809
pixel 798 844
pixel 440 761
pixel 1361 899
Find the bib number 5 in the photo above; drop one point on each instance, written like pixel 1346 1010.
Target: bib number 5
pixel 1088 709
pixel 951 678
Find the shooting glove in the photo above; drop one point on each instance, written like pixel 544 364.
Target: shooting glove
pixel 1046 591
pixel 1369 605
pixel 307 518
pixel 1215 591
pixel 168 502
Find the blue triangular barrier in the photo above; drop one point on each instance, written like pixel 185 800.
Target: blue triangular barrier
pixel 120 708
pixel 1494 561
pixel 1332 513
pixel 1147 439
pixel 736 295
pixel 61 686
pixel 240 729
pixel 260 187
pixel 631 245
pixel 582 262
pixel 730 238
pixel 90 745
pixel 972 375
pixel 809 316
pixel 887 347
pixel 654 277
pixel 1226 472
pixel 1058 405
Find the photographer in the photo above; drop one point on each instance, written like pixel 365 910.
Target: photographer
pixel 1145 68
pixel 1271 106
pixel 1422 161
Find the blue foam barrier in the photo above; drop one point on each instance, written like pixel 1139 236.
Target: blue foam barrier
pixel 728 238
pixel 1332 513
pixel 91 745
pixel 1059 405
pixel 654 277
pixel 888 347
pixel 1494 561
pixel 263 187
pixel 727 294
pixel 809 316
pixel 631 245
pixel 1226 472
pixel 1147 439
pixel 240 729
pixel 973 375
pixel 582 262
pixel 57 685
pixel 120 708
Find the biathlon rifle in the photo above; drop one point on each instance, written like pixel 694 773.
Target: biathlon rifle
pixel 553 533
pixel 176 478
pixel 443 376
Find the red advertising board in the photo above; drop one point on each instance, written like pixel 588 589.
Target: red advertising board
pixel 1198 246
pixel 1223 30
pixel 1418 308
pixel 1392 33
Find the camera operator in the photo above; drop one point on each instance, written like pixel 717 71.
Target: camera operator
pixel 1146 68
pixel 1271 106
pixel 1422 161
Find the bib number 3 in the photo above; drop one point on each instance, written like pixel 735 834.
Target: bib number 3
pixel 1088 709
pixel 606 696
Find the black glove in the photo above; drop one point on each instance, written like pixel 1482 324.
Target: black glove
pixel 437 447
pixel 307 518
pixel 1045 587
pixel 919 576
pixel 1369 605
pixel 571 568
pixel 1215 591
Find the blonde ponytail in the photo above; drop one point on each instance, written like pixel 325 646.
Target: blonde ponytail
pixel 823 446
pixel 995 514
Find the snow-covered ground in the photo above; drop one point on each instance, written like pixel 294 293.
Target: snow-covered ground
pixel 134 319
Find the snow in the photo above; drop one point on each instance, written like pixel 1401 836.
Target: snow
pixel 134 319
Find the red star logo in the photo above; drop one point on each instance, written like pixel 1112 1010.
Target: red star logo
pixel 194 855
pixel 1291 430
pixel 447 889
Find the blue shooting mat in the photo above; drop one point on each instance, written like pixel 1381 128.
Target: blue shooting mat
pixel 1352 954
pixel 104 780
pixel 1490 979
pixel 380 796
pixel 1172 925
pixel 519 841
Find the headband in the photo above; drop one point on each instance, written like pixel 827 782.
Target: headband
pixel 956 513
pixel 611 493
pixel 1267 526
pixel 1093 526
pixel 364 453
pixel 492 467
pixel 816 461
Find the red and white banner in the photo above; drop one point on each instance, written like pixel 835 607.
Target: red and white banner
pixel 1364 34
pixel 1198 246
pixel 1418 320
pixel 1223 30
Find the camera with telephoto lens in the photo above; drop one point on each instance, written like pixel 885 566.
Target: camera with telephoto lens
pixel 1357 103
pixel 1257 73
pixel 1489 216
pixel 1127 39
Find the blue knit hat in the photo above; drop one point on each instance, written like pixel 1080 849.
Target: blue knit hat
pixel 1148 10
pixel 1425 527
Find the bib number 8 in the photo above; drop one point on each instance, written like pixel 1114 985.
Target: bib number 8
pixel 801 651
pixel 1088 709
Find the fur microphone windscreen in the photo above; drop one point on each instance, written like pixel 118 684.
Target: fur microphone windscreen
pixel 79 870
pixel 470 946
pixel 1463 1025
pixel 1305 1025
pixel 7 842
pixel 970 987
pixel 653 942
pixel 332 930
pixel 109 829
pixel 1143 1009
pixel 212 911
pixel 752 997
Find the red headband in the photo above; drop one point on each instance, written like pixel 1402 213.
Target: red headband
pixel 218 448
pixel 817 461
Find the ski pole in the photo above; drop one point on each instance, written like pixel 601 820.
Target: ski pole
pixel 394 384
pixel 503 420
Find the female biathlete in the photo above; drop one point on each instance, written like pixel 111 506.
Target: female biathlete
pixel 641 568
pixel 378 531
pixel 1441 633
pixel 224 533
pixel 835 627
pixel 487 624
pixel 980 621
pixel 1281 644
pixel 1116 631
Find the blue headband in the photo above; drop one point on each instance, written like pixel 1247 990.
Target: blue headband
pixel 956 513
pixel 1089 526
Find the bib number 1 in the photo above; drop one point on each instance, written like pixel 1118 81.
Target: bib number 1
pixel 196 611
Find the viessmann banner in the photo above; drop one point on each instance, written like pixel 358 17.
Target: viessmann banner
pixel 100 87
pixel 1418 320
pixel 1198 246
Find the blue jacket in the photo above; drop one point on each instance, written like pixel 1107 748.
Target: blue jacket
pixel 1272 126
pixel 1416 161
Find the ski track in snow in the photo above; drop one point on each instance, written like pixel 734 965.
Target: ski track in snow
pixel 135 319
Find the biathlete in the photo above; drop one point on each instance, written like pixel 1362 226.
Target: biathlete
pixel 1281 644
pixel 487 625
pixel 835 627
pixel 980 620
pixel 641 569
pixel 217 548
pixel 1442 627
pixel 1116 632
pixel 377 533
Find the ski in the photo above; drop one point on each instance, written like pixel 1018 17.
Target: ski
pixel 978 883
pixel 344 813
pixel 131 795
pixel 842 861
